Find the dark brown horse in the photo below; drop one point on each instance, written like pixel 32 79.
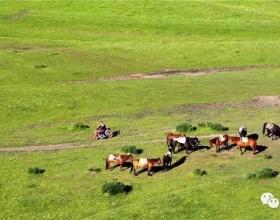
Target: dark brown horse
pixel 145 163
pixel 167 160
pixel 221 141
pixel 118 159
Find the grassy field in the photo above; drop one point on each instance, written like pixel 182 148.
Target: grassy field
pixel 54 57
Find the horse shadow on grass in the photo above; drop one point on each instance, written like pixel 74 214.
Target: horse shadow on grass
pixel 193 149
pixel 116 133
pixel 126 166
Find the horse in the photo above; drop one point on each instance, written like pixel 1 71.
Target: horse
pixel 234 139
pixel 219 141
pixel 145 163
pixel 247 143
pixel 167 160
pixel 169 139
pixel 271 130
pixel 118 159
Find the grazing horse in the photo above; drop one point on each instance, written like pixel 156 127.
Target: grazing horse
pixel 248 143
pixel 167 160
pixel 234 139
pixel 271 130
pixel 145 163
pixel 118 159
pixel 219 141
pixel 170 139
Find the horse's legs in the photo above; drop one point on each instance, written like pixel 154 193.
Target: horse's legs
pixel 149 169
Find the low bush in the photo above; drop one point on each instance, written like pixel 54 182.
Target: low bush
pixel 185 127
pixel 131 150
pixel 113 188
pixel 217 126
pixel 265 173
pixel 36 170
pixel 213 126
pixel 200 172
pixel 78 127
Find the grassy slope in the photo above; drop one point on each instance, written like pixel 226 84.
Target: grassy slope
pixel 86 41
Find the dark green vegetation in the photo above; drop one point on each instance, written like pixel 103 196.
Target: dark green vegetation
pixel 113 188
pixel 200 172
pixel 263 174
pixel 185 127
pixel 213 126
pixel 54 57
pixel 131 149
pixel 36 170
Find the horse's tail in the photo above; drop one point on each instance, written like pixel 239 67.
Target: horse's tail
pixel 264 126
pixel 107 164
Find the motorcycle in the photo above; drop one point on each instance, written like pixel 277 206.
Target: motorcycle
pixel 107 134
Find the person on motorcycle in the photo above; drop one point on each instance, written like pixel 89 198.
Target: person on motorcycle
pixel 101 129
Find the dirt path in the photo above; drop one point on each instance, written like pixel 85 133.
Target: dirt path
pixel 65 146
pixel 177 72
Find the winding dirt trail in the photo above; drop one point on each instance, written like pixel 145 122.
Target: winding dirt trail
pixel 66 146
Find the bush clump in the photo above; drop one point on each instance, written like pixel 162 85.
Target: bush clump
pixel 265 173
pixel 131 150
pixel 113 188
pixel 184 127
pixel 200 172
pixel 213 126
pixel 36 170
pixel 78 127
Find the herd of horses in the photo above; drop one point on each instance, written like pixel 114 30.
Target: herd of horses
pixel 181 141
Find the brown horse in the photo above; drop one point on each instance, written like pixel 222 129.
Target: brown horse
pixel 169 139
pixel 145 163
pixel 234 139
pixel 248 143
pixel 118 159
pixel 219 141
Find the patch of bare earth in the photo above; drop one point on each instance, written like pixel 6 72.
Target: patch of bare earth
pixel 267 101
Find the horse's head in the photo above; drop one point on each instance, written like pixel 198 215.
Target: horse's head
pixel 196 141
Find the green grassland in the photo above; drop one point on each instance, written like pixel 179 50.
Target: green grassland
pixel 53 57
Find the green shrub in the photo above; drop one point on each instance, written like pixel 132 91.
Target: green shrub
pixel 213 126
pixel 78 127
pixel 36 170
pixel 131 150
pixel 113 188
pixel 184 127
pixel 217 126
pixel 263 174
pixel 200 172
